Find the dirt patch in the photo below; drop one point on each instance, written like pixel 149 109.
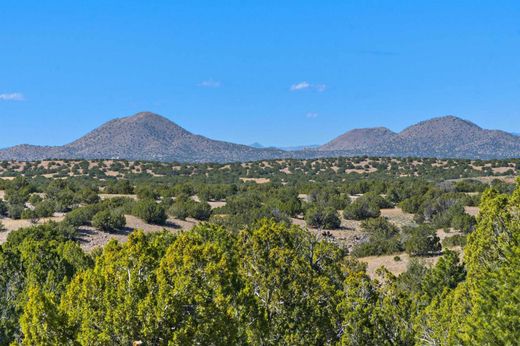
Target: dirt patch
pixel 442 234
pixel 395 267
pixel 398 217
pixel 91 238
pixel 473 211
pixel 216 204
pixel 109 195
pixel 257 180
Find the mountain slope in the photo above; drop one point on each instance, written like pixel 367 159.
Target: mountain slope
pixel 360 139
pixel 143 136
pixel 446 136
pixel 148 136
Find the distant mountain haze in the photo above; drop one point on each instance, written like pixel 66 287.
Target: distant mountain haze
pixel 148 136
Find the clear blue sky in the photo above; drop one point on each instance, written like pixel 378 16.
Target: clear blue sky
pixel 225 69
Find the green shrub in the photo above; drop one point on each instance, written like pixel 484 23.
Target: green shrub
pixel 322 218
pixel 80 216
pixel 455 240
pixel 421 240
pixel 109 221
pixel 150 211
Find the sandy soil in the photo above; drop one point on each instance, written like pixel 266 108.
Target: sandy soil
pixel 257 180
pixel 395 267
pixel 216 204
pixel 473 211
pixel 91 238
pixel 109 195
pixel 398 217
pixel 443 234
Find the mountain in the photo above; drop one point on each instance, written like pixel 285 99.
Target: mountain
pixel 257 145
pixel 143 136
pixel 446 136
pixel 148 136
pixel 360 139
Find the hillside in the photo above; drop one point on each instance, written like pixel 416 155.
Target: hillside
pixel 148 136
pixel 447 136
pixel 360 139
pixel 143 136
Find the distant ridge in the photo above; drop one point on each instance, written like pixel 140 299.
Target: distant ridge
pixel 148 136
pixel 143 136
pixel 446 136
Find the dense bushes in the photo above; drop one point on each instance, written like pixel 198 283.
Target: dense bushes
pixel 269 284
pixel 150 211
pixel 383 239
pixel 184 207
pixel 326 218
pixel 365 207
pixel 421 240
pixel 109 220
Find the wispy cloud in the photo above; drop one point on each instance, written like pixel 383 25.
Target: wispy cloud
pixel 12 97
pixel 306 85
pixel 312 115
pixel 210 83
pixel 300 86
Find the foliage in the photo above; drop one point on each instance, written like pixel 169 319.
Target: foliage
pixel 109 220
pixel 326 218
pixel 150 211
pixel 421 240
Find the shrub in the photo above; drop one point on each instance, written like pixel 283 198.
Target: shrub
pixel 361 209
pixel 200 211
pixel 150 211
pixel 3 208
pixel 421 240
pixel 109 221
pixel 15 211
pixel 45 208
pixel 455 240
pixel 322 218
pixel 80 216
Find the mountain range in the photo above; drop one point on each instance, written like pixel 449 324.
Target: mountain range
pixel 148 136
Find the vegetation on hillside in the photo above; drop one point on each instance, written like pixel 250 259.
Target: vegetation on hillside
pixel 266 284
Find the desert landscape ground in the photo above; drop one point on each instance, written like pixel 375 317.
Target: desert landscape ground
pixel 273 173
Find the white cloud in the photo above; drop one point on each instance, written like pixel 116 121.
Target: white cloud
pixel 210 83
pixel 300 86
pixel 12 97
pixel 306 85
pixel 312 115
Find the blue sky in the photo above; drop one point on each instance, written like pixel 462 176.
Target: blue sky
pixel 275 72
